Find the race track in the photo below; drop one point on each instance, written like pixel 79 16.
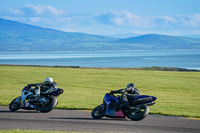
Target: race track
pixel 81 121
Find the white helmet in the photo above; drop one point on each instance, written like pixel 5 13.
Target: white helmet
pixel 49 79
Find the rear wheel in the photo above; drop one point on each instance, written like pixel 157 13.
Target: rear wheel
pixel 15 104
pixel 98 112
pixel 139 113
pixel 49 106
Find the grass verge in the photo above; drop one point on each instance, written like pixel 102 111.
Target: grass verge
pixel 177 92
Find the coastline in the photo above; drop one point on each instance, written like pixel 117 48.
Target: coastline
pixel 153 68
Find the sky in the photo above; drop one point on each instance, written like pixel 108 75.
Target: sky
pixel 108 17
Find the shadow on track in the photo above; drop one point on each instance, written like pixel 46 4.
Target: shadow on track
pixel 18 111
pixel 73 118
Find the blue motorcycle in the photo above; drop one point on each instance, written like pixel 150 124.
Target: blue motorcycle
pixel 45 103
pixel 137 110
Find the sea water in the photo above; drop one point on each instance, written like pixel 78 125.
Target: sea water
pixel 181 59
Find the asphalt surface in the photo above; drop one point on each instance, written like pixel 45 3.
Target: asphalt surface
pixel 81 121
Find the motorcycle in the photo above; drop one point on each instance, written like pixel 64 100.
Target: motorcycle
pixel 137 110
pixel 44 103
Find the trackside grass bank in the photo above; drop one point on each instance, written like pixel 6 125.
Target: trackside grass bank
pixel 177 92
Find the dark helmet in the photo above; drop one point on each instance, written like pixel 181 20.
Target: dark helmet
pixel 130 87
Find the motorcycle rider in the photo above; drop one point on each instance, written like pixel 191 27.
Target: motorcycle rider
pixel 47 84
pixel 128 94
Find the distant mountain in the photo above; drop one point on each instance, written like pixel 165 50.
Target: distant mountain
pixel 194 36
pixel 123 36
pixel 15 36
pixel 154 41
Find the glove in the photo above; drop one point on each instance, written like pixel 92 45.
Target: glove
pixel 29 86
pixel 111 92
pixel 123 90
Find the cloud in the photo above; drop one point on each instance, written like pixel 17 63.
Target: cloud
pixel 110 22
pixel 192 21
pixel 105 18
pixel 33 11
pixel 38 10
pixel 127 19
pixel 122 18
pixel 13 12
pixel 40 15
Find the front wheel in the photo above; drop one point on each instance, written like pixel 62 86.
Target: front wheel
pixel 52 101
pixel 139 113
pixel 98 112
pixel 15 104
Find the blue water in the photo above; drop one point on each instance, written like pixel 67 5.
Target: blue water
pixel 180 59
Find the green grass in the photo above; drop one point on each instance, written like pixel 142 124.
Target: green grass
pixel 31 131
pixel 177 92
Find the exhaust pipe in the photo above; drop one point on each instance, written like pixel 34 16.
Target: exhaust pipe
pixel 143 99
pixel 150 103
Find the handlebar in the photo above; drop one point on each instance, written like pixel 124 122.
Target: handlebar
pixel 122 91
pixel 37 84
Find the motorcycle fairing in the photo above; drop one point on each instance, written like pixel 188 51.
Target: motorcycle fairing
pixel 110 110
pixel 54 91
pixel 25 99
pixel 27 106
pixel 144 96
pixel 119 114
pixel 144 99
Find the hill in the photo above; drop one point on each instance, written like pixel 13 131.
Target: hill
pixel 15 36
pixel 154 41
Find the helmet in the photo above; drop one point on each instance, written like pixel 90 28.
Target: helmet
pixel 130 87
pixel 49 80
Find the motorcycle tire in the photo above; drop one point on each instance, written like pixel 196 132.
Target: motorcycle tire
pixel 141 113
pixel 15 105
pixel 49 106
pixel 98 112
